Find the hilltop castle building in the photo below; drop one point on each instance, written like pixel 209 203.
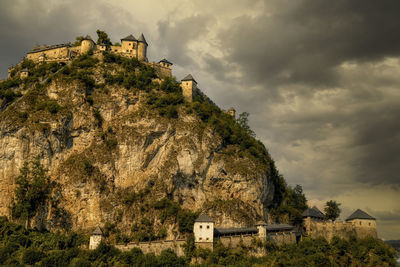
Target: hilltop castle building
pixel 64 53
pixel 130 47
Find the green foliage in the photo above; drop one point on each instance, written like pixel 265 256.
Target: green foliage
pixel 33 189
pixel 78 41
pixel 50 105
pixel 293 204
pixel 135 74
pixel 103 38
pixel 170 209
pixel 97 116
pixel 332 210
pixel 243 121
pixel 166 104
pixel 230 130
pixel 85 61
pixel 309 252
pixel 31 256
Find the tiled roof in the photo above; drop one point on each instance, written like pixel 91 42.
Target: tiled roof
pixel 313 213
pixel 130 37
pixel 97 231
pixel 165 61
pixel 275 227
pixel 359 214
pixel 204 218
pixel 189 77
pixel 235 231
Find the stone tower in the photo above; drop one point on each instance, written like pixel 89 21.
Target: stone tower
pixel 87 44
pixel 129 45
pixel 142 48
pixel 262 230
pixel 232 112
pixel 95 238
pixel 189 86
pixel 203 230
pixel 363 223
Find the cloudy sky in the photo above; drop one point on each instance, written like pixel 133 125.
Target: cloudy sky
pixel 320 78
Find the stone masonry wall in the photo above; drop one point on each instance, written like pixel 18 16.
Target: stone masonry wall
pixel 329 229
pixel 156 247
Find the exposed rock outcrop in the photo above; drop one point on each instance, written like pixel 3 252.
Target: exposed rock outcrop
pixel 97 152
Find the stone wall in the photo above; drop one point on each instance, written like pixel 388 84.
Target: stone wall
pixel 235 241
pixel 329 229
pixel 282 238
pixel 161 71
pixel 51 55
pixel 156 247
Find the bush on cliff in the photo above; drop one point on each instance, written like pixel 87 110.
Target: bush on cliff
pixel 32 191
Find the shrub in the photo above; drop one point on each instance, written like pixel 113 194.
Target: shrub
pixel 31 256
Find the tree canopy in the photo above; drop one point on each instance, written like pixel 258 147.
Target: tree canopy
pixel 332 210
pixel 103 38
pixel 33 189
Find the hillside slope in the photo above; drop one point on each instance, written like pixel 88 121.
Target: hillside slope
pixel 123 147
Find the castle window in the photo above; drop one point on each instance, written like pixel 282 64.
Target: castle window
pixel 201 226
pixel 207 238
pixel 208 227
pixel 360 223
pixel 200 238
pixel 369 224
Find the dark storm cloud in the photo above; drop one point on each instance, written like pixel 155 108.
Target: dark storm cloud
pixel 303 41
pixel 295 49
pixel 175 37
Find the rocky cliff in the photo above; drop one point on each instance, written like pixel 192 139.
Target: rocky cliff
pixel 116 140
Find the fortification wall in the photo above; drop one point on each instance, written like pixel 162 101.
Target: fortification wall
pixel 156 247
pixel 235 241
pixel 51 55
pixel 329 229
pixel 282 238
pixel 161 70
pixel 364 228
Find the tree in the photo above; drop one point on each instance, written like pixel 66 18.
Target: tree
pixel 243 121
pixel 103 38
pixel 33 189
pixel 78 41
pixel 332 210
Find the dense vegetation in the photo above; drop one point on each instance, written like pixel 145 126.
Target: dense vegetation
pixel 309 252
pixel 21 247
pixel 32 190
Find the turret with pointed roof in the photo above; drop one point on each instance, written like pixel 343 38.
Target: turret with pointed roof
pixel 142 48
pixel 189 87
pixel 359 214
pixel 142 39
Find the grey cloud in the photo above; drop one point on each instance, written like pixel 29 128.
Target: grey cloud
pixel 175 37
pixel 302 41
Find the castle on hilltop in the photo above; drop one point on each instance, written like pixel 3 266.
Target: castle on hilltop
pixel 62 53
pixel 130 47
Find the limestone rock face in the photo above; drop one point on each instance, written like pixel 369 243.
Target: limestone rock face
pixel 129 149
